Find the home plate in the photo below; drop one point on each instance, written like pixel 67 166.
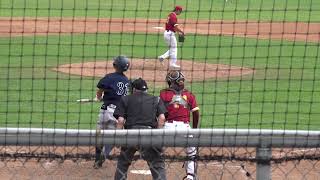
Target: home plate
pixel 143 172
pixel 157 27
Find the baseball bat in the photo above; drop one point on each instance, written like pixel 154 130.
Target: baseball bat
pixel 86 100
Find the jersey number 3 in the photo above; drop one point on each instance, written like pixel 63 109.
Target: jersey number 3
pixel 122 89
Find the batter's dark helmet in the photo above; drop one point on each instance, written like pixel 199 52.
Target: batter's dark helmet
pixel 174 76
pixel 121 63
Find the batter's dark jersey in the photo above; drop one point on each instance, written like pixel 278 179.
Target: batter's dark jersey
pixel 140 109
pixel 114 86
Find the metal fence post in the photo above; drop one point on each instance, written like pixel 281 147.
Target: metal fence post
pixel 263 163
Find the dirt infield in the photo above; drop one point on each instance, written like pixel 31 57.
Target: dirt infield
pixel 154 72
pixel 291 31
pixel 223 169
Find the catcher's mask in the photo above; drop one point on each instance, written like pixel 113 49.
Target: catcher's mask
pixel 175 80
pixel 121 63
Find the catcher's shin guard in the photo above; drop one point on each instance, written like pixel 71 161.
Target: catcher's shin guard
pixel 191 164
pixel 191 168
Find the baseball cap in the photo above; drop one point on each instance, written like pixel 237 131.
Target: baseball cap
pixel 140 84
pixel 178 8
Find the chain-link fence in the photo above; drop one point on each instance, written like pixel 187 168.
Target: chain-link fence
pixel 222 154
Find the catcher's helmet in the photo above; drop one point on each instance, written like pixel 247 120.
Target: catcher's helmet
pixel 121 63
pixel 174 76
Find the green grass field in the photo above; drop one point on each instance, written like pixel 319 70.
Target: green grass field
pixel 276 10
pixel 284 93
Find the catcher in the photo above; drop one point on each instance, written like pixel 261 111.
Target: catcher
pixel 180 103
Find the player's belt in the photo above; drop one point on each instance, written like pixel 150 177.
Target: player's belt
pixel 139 127
pixel 105 107
pixel 173 121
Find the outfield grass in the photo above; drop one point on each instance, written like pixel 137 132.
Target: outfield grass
pixel 283 93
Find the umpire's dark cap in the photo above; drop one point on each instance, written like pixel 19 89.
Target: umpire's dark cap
pixel 140 84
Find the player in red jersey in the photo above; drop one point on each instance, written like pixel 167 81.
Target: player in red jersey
pixel 172 27
pixel 180 103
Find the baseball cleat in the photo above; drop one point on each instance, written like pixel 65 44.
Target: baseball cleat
pixel 189 178
pixel 97 165
pixel 98 162
pixel 174 66
pixel 161 59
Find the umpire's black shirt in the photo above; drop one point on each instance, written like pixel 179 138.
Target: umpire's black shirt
pixel 140 109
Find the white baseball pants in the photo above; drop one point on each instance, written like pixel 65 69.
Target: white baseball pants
pixel 190 151
pixel 170 39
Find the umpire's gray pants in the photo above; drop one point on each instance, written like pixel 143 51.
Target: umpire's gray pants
pixel 153 156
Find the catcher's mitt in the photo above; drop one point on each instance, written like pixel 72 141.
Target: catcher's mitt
pixel 181 38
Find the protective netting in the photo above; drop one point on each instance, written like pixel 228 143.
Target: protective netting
pixel 251 64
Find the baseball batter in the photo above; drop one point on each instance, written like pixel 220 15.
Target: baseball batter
pixel 110 89
pixel 179 103
pixel 171 28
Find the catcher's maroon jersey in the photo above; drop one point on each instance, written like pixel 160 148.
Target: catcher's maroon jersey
pixel 178 106
pixel 171 21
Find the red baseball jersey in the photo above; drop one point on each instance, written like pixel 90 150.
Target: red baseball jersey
pixel 178 106
pixel 171 21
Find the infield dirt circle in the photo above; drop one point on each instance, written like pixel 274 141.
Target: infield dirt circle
pixel 153 71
